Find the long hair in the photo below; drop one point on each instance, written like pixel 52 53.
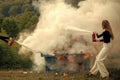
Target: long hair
pixel 106 25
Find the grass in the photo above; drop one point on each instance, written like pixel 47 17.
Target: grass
pixel 21 75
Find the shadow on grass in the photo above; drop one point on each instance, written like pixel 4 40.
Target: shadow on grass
pixel 114 74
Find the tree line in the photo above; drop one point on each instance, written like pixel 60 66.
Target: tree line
pixel 17 15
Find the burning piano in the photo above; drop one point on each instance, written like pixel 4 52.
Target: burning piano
pixel 67 62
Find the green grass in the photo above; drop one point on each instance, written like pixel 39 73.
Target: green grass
pixel 20 75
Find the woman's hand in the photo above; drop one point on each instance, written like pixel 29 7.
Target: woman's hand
pixel 97 40
pixel 95 32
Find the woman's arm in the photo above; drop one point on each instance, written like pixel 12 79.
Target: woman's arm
pixel 99 35
pixel 101 40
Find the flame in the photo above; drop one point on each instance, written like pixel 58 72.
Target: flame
pixel 69 57
pixel 59 57
pixel 86 56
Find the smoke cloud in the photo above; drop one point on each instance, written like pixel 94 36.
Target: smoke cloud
pixel 52 36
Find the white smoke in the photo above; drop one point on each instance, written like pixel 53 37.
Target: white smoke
pixel 50 35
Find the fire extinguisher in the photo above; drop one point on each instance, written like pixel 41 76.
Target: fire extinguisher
pixel 94 37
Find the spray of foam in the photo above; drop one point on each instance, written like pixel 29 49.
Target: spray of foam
pixel 61 28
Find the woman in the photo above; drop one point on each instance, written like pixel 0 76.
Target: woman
pixel 107 35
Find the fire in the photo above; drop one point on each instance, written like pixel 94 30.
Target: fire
pixel 69 57
pixel 69 62
pixel 86 56
pixel 59 57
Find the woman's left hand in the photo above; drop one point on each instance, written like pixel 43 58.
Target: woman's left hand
pixel 97 40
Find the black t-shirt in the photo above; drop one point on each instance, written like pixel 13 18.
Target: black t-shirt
pixel 106 36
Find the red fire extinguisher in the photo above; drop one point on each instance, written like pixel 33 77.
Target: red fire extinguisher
pixel 94 37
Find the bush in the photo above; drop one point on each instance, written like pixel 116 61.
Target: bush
pixel 8 60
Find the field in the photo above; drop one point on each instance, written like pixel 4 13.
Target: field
pixel 29 75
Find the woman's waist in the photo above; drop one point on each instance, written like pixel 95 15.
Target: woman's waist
pixel 106 44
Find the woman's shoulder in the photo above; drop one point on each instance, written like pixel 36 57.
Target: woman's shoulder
pixel 106 32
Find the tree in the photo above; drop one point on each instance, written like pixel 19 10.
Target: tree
pixel 14 10
pixel 24 20
pixel 10 26
pixel 1 15
pixel 1 23
pixel 27 7
pixel 8 60
pixel 31 23
pixel 5 8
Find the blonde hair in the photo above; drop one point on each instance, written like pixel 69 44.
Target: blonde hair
pixel 106 25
